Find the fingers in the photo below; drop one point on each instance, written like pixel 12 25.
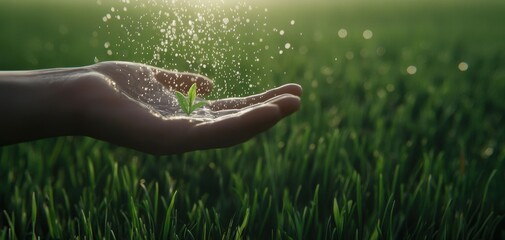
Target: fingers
pixel 183 81
pixel 225 112
pixel 239 127
pixel 122 72
pixel 239 103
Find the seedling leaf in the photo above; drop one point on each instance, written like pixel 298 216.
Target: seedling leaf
pixel 183 102
pixel 192 94
pixel 188 104
pixel 197 105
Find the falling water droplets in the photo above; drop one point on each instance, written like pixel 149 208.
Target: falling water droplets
pixel 229 44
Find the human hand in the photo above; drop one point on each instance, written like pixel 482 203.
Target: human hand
pixel 134 105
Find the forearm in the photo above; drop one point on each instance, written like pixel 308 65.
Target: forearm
pixel 32 106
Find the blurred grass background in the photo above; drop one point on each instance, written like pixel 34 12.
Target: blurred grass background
pixel 375 152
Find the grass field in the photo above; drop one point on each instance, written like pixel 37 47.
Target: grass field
pixel 375 152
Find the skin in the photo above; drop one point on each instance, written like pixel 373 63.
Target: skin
pixel 132 105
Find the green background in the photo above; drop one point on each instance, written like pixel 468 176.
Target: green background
pixel 374 152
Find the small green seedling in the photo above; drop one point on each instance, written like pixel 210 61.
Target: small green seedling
pixel 188 104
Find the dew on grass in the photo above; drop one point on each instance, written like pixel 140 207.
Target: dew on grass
pixel 487 152
pixel 342 33
pixel 292 22
pixel 463 66
pixel 287 45
pixel 281 32
pixel 411 69
pixel 367 34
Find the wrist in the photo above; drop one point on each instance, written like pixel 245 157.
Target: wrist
pixel 36 105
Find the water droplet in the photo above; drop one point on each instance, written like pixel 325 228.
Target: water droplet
pixel 367 34
pixel 206 37
pixel 411 69
pixel 342 33
pixel 463 66
pixel 106 44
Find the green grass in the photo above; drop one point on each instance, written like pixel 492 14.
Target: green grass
pixel 374 153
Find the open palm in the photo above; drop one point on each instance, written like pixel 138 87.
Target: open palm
pixel 134 105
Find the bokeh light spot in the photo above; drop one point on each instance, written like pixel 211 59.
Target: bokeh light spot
pixel 463 66
pixel 411 70
pixel 367 34
pixel 342 33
